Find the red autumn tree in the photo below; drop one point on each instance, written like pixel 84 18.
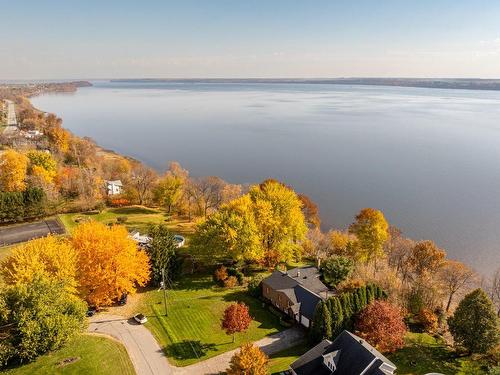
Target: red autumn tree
pixel 236 319
pixel 381 324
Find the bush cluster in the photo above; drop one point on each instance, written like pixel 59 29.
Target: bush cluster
pixel 339 312
pixel 22 205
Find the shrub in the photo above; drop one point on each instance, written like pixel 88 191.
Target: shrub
pixel 428 320
pixel 119 202
pixel 230 282
pixel 239 275
pixel 336 269
pixel 254 288
pixel 121 219
pixel 220 275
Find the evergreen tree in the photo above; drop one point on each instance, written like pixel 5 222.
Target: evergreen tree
pixel 370 293
pixel 315 332
pixel 474 324
pixel 327 322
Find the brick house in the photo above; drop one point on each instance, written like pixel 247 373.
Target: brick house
pixel 296 292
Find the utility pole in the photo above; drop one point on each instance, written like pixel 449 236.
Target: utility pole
pixel 164 290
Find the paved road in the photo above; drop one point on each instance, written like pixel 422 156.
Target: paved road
pixel 13 234
pixel 269 345
pixel 146 355
pixel 11 113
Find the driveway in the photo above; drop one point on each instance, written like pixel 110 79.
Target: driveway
pixel 17 233
pixel 148 357
pixel 145 353
pixel 269 345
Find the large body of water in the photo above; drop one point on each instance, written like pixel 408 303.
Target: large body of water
pixel 428 158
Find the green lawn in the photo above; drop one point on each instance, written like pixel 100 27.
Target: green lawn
pixel 281 361
pixel 95 355
pixel 138 218
pixel 191 332
pixel 424 353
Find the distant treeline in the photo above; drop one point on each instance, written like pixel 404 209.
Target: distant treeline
pixel 435 83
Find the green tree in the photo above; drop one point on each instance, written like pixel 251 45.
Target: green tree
pixel 168 191
pixel 327 322
pixel 230 232
pixel 38 317
pixel 336 269
pixel 474 325
pixel 372 231
pixel 161 250
pixel 316 331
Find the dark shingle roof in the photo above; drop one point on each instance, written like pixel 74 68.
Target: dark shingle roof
pixel 354 357
pixel 301 285
pixel 309 278
pixel 307 300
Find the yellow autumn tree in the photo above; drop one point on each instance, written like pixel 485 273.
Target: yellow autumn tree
pixel 50 257
pixel 42 165
pixel 372 232
pixel 280 220
pixel 250 360
pixel 230 232
pixel 13 168
pixel 109 263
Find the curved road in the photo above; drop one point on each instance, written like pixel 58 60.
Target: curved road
pixel 145 353
pixel 148 357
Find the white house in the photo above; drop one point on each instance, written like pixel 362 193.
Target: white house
pixel 114 187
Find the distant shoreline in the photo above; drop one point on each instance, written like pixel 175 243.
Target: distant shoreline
pixel 432 83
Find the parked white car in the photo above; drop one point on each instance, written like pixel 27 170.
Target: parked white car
pixel 140 318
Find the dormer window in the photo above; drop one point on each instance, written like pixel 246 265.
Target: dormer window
pixel 329 360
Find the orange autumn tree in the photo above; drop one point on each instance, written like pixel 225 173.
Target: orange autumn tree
pixel 50 257
pixel 382 325
pixel 249 360
pixel 236 319
pixel 109 263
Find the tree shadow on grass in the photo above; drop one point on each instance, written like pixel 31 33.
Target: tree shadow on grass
pixel 195 283
pixel 259 313
pixel 135 210
pixel 189 349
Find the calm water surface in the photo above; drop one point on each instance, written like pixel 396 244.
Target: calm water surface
pixel 428 158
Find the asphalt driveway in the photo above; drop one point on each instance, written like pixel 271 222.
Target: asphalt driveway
pixel 145 353
pixel 12 234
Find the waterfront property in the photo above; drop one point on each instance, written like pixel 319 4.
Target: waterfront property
pixel 348 354
pixel 114 187
pixel 296 292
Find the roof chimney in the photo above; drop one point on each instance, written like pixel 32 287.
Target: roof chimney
pixel 298 272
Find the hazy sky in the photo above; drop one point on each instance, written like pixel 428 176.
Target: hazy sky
pixel 261 38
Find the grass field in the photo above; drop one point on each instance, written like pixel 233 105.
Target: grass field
pixel 138 218
pixel 95 355
pixel 424 354
pixel 281 361
pixel 191 332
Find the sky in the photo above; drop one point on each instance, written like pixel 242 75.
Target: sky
pixel 249 39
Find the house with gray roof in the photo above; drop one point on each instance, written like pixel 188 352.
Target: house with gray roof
pixel 348 354
pixel 296 292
